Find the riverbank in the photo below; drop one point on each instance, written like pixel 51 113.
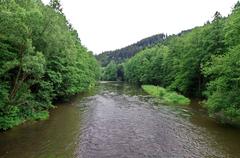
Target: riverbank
pixel 165 96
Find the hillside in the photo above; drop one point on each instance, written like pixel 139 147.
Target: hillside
pixel 122 54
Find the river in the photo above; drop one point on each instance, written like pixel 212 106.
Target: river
pixel 117 120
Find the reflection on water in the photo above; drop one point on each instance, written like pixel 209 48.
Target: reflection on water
pixel 53 138
pixel 120 120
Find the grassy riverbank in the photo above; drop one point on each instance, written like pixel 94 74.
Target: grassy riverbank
pixel 167 97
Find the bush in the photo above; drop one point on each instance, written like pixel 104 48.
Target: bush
pixel 10 118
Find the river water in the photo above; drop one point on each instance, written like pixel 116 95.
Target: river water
pixel 117 120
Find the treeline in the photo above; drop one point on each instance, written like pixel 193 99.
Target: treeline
pixel 113 72
pixel 41 60
pixel 203 63
pixel 121 55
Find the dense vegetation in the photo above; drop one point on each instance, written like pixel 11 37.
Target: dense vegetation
pixel 203 62
pixel 121 55
pixel 41 60
pixel 113 72
pixel 165 96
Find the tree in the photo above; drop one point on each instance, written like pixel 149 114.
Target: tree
pixel 56 5
pixel 40 61
pixel 147 66
pixel 121 55
pixel 224 90
pixel 232 27
pixel 110 72
pixel 201 62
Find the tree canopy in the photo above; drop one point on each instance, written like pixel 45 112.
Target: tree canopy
pixel 121 55
pixel 41 60
pixel 202 62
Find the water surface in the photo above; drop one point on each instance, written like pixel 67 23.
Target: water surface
pixel 120 120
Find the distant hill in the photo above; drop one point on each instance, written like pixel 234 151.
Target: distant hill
pixel 122 54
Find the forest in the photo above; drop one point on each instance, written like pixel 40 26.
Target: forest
pixel 167 95
pixel 203 62
pixel 42 61
pixel 121 55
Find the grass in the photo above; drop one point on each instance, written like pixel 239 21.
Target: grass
pixel 40 116
pixel 13 119
pixel 166 97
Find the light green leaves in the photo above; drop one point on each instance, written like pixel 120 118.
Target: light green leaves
pixel 34 64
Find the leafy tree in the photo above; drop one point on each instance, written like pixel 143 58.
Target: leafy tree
pixel 55 4
pixel 147 66
pixel 41 60
pixel 201 62
pixel 232 27
pixel 121 55
pixel 223 91
pixel 110 72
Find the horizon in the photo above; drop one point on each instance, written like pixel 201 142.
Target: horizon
pixel 103 26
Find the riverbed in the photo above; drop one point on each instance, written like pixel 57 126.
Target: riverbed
pixel 118 120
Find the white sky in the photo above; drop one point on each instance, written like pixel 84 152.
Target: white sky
pixel 111 24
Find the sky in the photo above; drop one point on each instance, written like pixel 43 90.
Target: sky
pixel 105 25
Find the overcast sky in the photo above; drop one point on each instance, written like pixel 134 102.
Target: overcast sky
pixel 110 24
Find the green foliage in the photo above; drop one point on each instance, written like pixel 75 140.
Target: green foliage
pixel 113 72
pixel 232 27
pixel 166 97
pixel 110 72
pixel 9 117
pixel 224 89
pixel 42 115
pixel 121 55
pixel 202 62
pixel 41 60
pixel 147 66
